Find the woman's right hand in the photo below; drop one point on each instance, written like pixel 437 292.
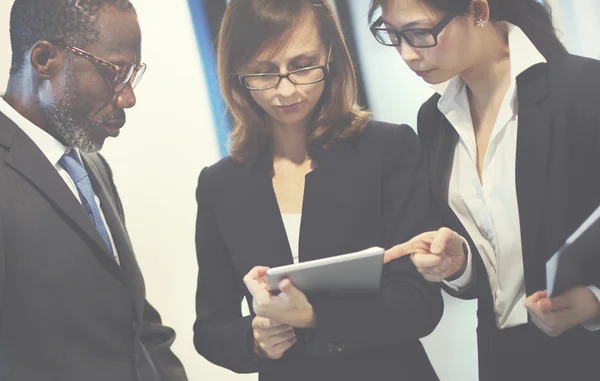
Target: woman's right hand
pixel 272 338
pixel 438 255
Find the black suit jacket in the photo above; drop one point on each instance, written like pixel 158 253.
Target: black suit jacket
pixel 368 191
pixel 69 312
pixel 558 186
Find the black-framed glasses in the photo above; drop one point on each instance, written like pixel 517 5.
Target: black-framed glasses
pixel 415 37
pixel 304 76
pixel 119 75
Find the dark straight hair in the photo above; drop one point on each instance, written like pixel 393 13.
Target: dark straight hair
pixel 534 17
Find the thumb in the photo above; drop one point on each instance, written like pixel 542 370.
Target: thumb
pixel 562 301
pixel 288 290
pixel 442 240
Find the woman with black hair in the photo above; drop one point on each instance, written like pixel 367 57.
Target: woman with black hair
pixel 512 143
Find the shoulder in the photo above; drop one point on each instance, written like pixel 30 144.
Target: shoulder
pixel 385 134
pixel 573 76
pixel 428 116
pixel 395 144
pixel 221 174
pixel 573 66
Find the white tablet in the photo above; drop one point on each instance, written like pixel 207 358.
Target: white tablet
pixel 355 272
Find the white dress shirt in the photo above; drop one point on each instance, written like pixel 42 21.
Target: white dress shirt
pixel 292 229
pixel 54 151
pixel 490 211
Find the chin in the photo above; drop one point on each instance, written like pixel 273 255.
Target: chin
pixel 90 146
pixel 291 119
pixel 437 79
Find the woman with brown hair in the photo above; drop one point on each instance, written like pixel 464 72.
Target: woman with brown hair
pixel 309 176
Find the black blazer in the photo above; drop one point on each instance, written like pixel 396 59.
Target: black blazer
pixel 68 311
pixel 368 191
pixel 558 186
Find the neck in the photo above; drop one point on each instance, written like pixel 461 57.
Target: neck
pixel 20 95
pixel 488 78
pixel 289 141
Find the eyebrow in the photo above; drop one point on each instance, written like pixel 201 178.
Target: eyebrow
pixel 310 54
pixel 407 26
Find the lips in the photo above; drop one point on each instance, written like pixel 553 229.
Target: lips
pixel 113 127
pixel 422 73
pixel 291 107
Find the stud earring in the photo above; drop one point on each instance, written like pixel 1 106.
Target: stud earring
pixel 481 22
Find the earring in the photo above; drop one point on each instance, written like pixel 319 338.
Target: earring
pixel 481 22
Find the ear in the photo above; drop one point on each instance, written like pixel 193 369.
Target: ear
pixel 480 9
pixel 46 60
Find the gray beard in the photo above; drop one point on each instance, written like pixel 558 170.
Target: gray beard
pixel 59 118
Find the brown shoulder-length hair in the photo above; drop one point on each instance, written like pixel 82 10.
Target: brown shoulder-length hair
pixel 251 26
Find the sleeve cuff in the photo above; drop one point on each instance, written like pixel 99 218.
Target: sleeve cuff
pixel 594 325
pixel 467 278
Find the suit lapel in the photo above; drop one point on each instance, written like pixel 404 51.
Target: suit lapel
pixel 129 265
pixel 441 157
pixel 27 159
pixel 324 210
pixel 265 230
pixel 533 152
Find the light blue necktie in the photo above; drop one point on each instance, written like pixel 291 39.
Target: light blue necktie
pixel 70 162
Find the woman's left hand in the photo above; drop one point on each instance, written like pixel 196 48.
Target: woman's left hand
pixel 558 314
pixel 290 306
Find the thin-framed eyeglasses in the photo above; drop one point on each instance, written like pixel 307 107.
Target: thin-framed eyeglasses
pixel 303 76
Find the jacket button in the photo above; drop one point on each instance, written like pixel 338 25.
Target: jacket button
pixel 330 347
pixel 335 347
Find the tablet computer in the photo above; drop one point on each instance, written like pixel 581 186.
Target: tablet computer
pixel 574 264
pixel 354 272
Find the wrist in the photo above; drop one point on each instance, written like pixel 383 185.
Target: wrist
pixel 310 321
pixel 463 264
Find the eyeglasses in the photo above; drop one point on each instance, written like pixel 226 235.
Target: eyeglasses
pixel 119 76
pixel 304 76
pixel 415 37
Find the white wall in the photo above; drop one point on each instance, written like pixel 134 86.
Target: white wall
pixel 169 137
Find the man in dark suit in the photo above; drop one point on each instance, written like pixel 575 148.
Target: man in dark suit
pixel 72 298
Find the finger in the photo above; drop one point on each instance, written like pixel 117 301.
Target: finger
pixel 545 306
pixel 398 251
pixel 427 261
pixel 281 337
pixel 447 273
pixel 419 243
pixel 437 273
pixel 278 330
pixel 433 278
pixel 566 299
pixel 533 308
pixel 535 297
pixel 442 268
pixel 284 346
pixel 289 291
pixel 265 324
pixel 269 336
pixel 253 282
pixel 442 239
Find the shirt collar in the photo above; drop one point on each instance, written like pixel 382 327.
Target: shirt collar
pixel 524 55
pixel 50 147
